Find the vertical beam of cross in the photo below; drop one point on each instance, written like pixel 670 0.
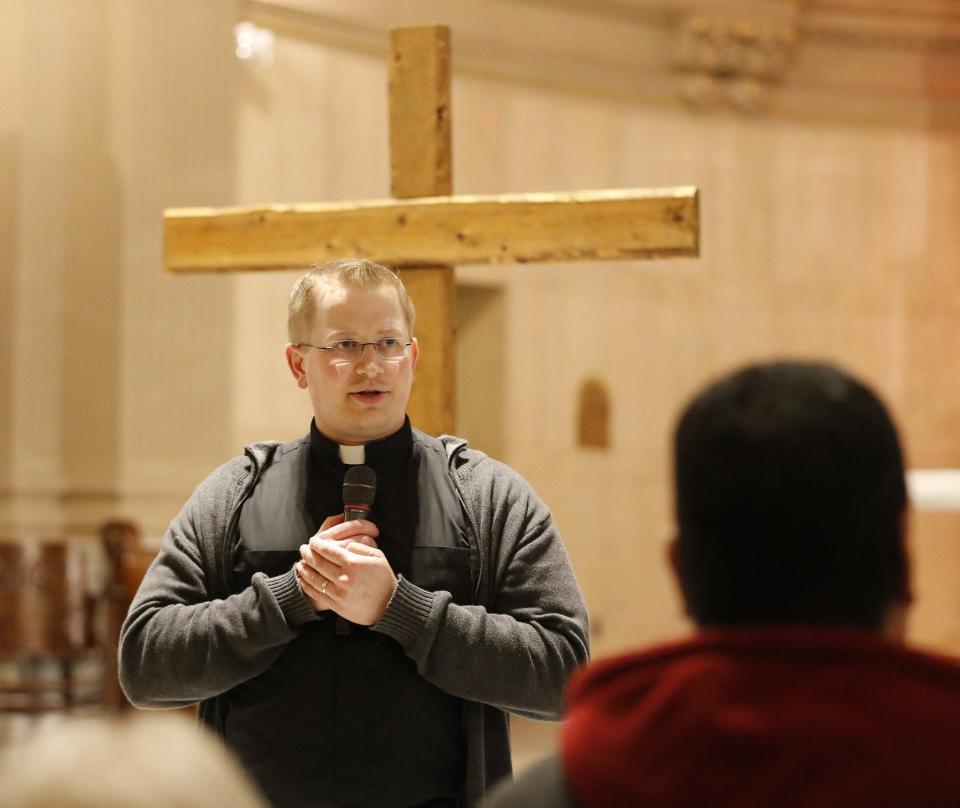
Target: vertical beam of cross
pixel 420 166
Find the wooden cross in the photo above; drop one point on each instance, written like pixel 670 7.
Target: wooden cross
pixel 423 231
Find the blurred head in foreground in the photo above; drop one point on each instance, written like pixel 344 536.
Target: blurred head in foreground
pixel 144 761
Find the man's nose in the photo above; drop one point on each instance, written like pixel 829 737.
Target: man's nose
pixel 369 362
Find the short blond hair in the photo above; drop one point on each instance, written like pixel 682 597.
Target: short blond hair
pixel 358 273
pixel 146 760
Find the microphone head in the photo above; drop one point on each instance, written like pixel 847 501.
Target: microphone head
pixel 359 486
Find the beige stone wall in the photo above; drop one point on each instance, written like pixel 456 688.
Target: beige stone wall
pixel 116 392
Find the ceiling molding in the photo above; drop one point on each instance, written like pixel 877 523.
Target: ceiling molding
pixel 889 62
pixel 908 24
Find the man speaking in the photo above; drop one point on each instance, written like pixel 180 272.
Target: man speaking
pixel 369 662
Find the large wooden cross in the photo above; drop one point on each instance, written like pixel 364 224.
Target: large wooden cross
pixel 424 231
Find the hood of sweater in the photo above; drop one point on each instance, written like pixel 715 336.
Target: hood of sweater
pixel 760 717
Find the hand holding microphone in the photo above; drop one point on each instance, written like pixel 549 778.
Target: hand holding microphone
pixel 339 569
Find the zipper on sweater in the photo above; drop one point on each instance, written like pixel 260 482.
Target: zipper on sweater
pixel 473 527
pixel 209 711
pixel 229 535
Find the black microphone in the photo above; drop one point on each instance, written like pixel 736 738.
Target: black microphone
pixel 359 491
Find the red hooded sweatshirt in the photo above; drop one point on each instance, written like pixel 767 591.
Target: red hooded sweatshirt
pixel 766 717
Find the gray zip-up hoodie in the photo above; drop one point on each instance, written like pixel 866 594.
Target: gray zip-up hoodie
pixel 186 639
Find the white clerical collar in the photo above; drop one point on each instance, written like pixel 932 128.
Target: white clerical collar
pixel 352 455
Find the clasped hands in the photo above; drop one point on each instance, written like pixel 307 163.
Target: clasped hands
pixel 342 569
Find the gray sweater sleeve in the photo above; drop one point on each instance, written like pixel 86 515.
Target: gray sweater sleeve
pixel 178 644
pixel 517 652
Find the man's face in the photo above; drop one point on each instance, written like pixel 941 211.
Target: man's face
pixel 364 400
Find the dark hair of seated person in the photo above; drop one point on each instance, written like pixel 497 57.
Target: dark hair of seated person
pixel 790 500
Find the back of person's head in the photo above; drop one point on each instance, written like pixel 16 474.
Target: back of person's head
pixel 144 761
pixel 790 500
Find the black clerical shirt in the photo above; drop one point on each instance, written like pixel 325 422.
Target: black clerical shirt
pixel 341 718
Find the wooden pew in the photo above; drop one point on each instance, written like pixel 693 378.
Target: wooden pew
pixel 49 660
pixel 127 562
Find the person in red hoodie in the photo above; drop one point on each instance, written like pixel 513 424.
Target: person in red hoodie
pixel 796 689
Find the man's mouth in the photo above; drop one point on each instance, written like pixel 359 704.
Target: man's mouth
pixel 368 395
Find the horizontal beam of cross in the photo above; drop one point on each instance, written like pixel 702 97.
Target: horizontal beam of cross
pixel 510 228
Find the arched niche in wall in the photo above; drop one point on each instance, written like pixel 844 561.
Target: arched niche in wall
pixel 593 415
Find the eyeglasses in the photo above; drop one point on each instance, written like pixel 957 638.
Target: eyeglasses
pixel 350 350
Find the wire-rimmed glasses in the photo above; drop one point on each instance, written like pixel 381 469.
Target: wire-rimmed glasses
pixel 350 350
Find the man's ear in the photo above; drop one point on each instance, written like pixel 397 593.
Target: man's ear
pixel 906 587
pixel 676 568
pixel 894 625
pixel 295 363
pixel 673 556
pixel 414 353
